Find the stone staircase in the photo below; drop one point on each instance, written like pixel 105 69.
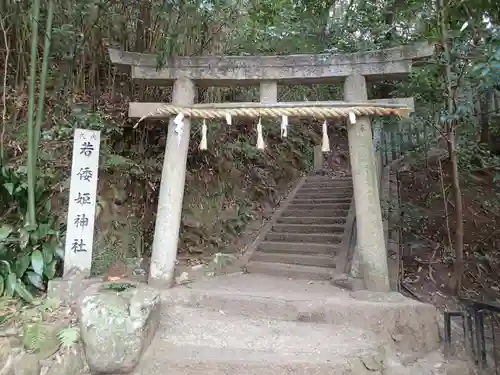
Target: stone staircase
pixel 305 237
pixel 252 324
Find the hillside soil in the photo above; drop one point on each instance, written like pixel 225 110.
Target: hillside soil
pixel 428 227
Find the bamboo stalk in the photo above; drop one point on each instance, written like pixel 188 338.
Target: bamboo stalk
pixel 31 113
pixel 43 78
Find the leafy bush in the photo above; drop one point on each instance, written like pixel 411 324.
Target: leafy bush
pixel 29 254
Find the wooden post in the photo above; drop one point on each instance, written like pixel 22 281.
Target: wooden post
pixel 392 129
pixel 370 229
pixel 385 147
pixel 399 139
pixel 426 137
pixel 393 144
pixel 418 135
pixel 173 177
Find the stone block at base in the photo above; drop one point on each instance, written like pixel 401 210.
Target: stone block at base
pixel 117 323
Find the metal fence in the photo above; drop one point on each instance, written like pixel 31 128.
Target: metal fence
pixel 481 326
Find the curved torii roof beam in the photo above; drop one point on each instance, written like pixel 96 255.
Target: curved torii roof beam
pixel 392 63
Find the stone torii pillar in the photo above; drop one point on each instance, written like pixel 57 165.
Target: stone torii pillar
pixel 370 229
pixel 173 178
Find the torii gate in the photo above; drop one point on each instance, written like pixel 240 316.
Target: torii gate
pixel 185 73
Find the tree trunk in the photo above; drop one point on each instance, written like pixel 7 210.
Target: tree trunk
pixel 458 267
pixel 484 118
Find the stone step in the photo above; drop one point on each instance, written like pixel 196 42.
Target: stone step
pixel 192 341
pixel 330 206
pixel 314 212
pixel 339 181
pixel 321 200
pixel 315 260
pixel 307 228
pixel 304 237
pixel 291 271
pixel 327 178
pixel 409 325
pixel 311 220
pixel 331 194
pixel 327 185
pixel 298 248
pixel 321 191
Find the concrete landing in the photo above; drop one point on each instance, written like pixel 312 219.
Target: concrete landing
pixel 396 320
pixel 195 341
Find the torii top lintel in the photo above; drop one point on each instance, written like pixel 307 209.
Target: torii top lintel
pixel 392 63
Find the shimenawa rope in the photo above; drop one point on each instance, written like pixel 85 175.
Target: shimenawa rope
pixel 284 112
pixel 315 112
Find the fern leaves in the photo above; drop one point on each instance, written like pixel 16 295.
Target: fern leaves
pixel 69 336
pixel 36 336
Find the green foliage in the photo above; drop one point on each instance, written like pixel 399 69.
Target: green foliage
pixel 118 287
pixel 29 254
pixel 32 254
pixel 38 324
pixel 236 224
pixel 34 336
pixel 474 157
pixel 487 70
pixel 37 335
pixel 69 336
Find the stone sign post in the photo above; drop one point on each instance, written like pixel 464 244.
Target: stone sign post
pixel 82 202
